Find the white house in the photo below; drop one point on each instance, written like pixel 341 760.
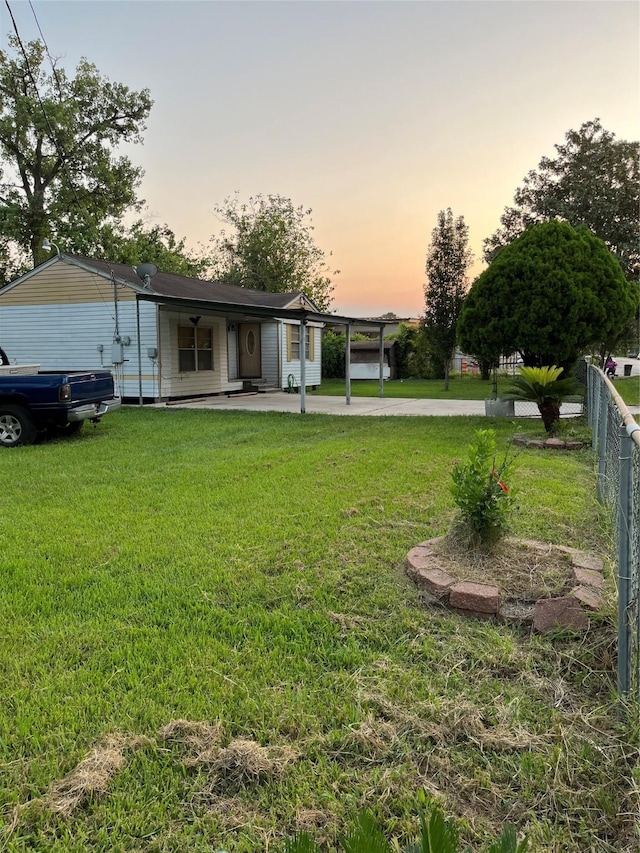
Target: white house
pixel 164 337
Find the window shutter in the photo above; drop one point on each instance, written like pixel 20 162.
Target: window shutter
pixel 288 327
pixel 311 355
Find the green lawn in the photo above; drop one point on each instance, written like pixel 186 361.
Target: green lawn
pixel 245 570
pixel 629 389
pixel 460 388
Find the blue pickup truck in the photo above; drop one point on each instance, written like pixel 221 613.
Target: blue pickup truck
pixel 32 402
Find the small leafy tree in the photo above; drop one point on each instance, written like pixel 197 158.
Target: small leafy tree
pixel 271 247
pixel 547 388
pixel 448 260
pixel 480 492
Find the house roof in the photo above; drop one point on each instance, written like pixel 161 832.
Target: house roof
pixel 184 292
pixel 183 287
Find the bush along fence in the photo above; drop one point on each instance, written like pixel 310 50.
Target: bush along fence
pixel 616 441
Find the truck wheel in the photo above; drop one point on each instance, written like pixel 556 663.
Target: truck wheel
pixel 16 426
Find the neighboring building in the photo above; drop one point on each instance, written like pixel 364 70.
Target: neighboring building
pixel 367 326
pixel 166 337
pixel 365 360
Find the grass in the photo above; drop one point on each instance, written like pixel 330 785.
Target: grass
pixel 208 641
pixel 629 389
pixel 460 388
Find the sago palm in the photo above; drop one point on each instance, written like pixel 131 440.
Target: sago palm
pixel 545 387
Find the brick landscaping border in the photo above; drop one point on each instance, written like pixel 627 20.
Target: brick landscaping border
pixel 484 601
pixel 547 443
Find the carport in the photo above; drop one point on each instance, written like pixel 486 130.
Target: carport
pixel 303 315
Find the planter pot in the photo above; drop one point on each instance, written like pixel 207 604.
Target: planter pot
pixel 499 408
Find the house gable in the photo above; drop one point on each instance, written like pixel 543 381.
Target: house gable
pixel 60 283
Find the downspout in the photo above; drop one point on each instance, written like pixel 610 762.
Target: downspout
pixel 347 363
pixel 381 390
pixel 303 366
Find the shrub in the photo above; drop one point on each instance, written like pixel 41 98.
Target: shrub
pixel 543 386
pixel 480 493
pixel 333 355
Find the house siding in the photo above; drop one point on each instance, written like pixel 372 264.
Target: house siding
pixel 174 383
pixel 270 360
pixel 66 336
pixel 313 369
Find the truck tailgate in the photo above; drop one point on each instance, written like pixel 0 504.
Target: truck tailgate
pixel 90 387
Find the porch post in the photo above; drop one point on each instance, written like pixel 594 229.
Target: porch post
pixel 347 363
pixel 381 391
pixel 303 365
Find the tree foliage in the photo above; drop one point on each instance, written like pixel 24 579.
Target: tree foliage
pixel 595 181
pixel 448 260
pixel 550 295
pixel 59 176
pixel 333 355
pixel 138 244
pixel 271 247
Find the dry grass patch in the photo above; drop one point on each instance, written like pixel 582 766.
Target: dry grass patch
pixel 200 740
pixel 92 775
pixel 242 760
pixel 245 760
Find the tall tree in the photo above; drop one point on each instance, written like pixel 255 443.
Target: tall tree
pixel 595 181
pixel 271 247
pixel 550 295
pixel 59 176
pixel 448 260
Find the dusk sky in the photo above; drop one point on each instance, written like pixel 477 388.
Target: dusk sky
pixel 374 114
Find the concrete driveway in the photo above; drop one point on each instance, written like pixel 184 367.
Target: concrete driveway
pixel 368 406
pixel 280 401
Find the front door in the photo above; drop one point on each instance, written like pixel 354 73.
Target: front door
pixel 249 350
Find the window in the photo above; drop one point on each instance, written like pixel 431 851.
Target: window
pixel 195 348
pixel 293 343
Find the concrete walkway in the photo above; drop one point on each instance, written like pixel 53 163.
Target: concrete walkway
pixel 280 401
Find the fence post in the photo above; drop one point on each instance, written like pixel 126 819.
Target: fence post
pixel 624 562
pixel 603 417
pixel 594 407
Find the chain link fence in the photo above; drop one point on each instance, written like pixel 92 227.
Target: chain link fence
pixel 616 441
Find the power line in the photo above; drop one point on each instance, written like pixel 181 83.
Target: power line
pixel 46 47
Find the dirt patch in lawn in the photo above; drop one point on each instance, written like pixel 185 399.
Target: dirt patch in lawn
pixel 521 572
